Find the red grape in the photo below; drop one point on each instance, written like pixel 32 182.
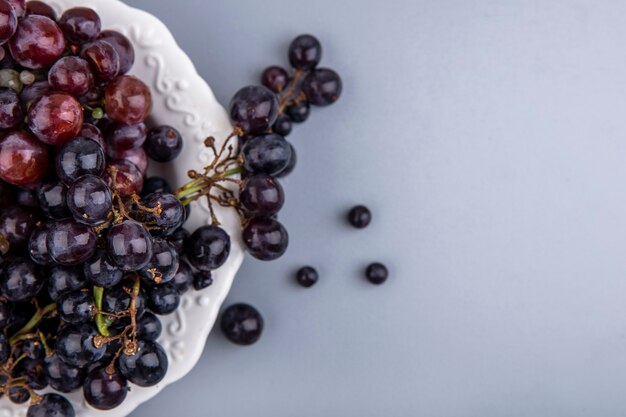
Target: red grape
pixel 55 118
pixel 123 47
pixel 23 159
pixel 127 100
pixel 103 58
pixel 38 42
pixel 8 21
pixel 136 156
pixel 40 8
pixel 92 132
pixel 19 6
pixel 80 24
pixel 128 178
pixel 72 75
pixel 123 137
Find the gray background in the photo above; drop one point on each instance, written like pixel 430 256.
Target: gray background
pixel 489 138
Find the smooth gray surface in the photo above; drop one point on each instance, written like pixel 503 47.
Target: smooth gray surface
pixel 489 138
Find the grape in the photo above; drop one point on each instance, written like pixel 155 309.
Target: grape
pixel 254 109
pixel 76 307
pixel 155 185
pixel 136 156
pixel 78 157
pixel 117 300
pixel 16 225
pixel 183 278
pixel 202 280
pixel 18 395
pixel 32 370
pixel 262 195
pixel 307 276
pixel 266 154
pixel 55 118
pixel 128 100
pixel 163 264
pixel 164 144
pixel 40 8
pixel 123 47
pixel 275 78
pixel 305 52
pixel 11 114
pixel 75 345
pixel 23 159
pixel 32 92
pixel 71 243
pixel 298 112
pixel 51 405
pixel 291 165
pixel 265 238
pixel 63 279
pixel 61 376
pixel 163 299
pixel 242 324
pixel 359 216
pixel 101 272
pixel 92 132
pixel 322 87
pixel 38 246
pixel 71 74
pixel 145 368
pixel 129 246
pixel 172 212
pixel 149 327
pixel 8 21
pixel 52 199
pixel 178 239
pixel 105 388
pixel 128 178
pixel 80 24
pixel 21 280
pixel 208 248
pixel 37 43
pixel 122 137
pixel 103 59
pixel 34 351
pixel 19 6
pixel 282 125
pixel 376 273
pixel 89 200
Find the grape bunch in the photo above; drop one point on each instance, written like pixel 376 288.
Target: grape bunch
pixel 92 250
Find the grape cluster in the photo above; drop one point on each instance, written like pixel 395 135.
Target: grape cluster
pixel 91 251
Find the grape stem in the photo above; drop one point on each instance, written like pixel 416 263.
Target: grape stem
pixel 292 94
pixel 47 312
pixel 102 324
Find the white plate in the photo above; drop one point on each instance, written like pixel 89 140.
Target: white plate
pixel 181 99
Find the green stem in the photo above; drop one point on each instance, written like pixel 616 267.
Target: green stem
pixel 102 324
pixel 33 322
pixel 232 171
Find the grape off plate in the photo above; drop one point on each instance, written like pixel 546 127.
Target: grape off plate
pixel 182 99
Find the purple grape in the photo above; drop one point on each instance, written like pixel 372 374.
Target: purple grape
pixel 71 243
pixel 78 157
pixel 80 24
pixel 89 200
pixel 265 238
pixel 11 114
pixel 129 246
pixel 208 248
pixel 164 144
pixel 254 109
